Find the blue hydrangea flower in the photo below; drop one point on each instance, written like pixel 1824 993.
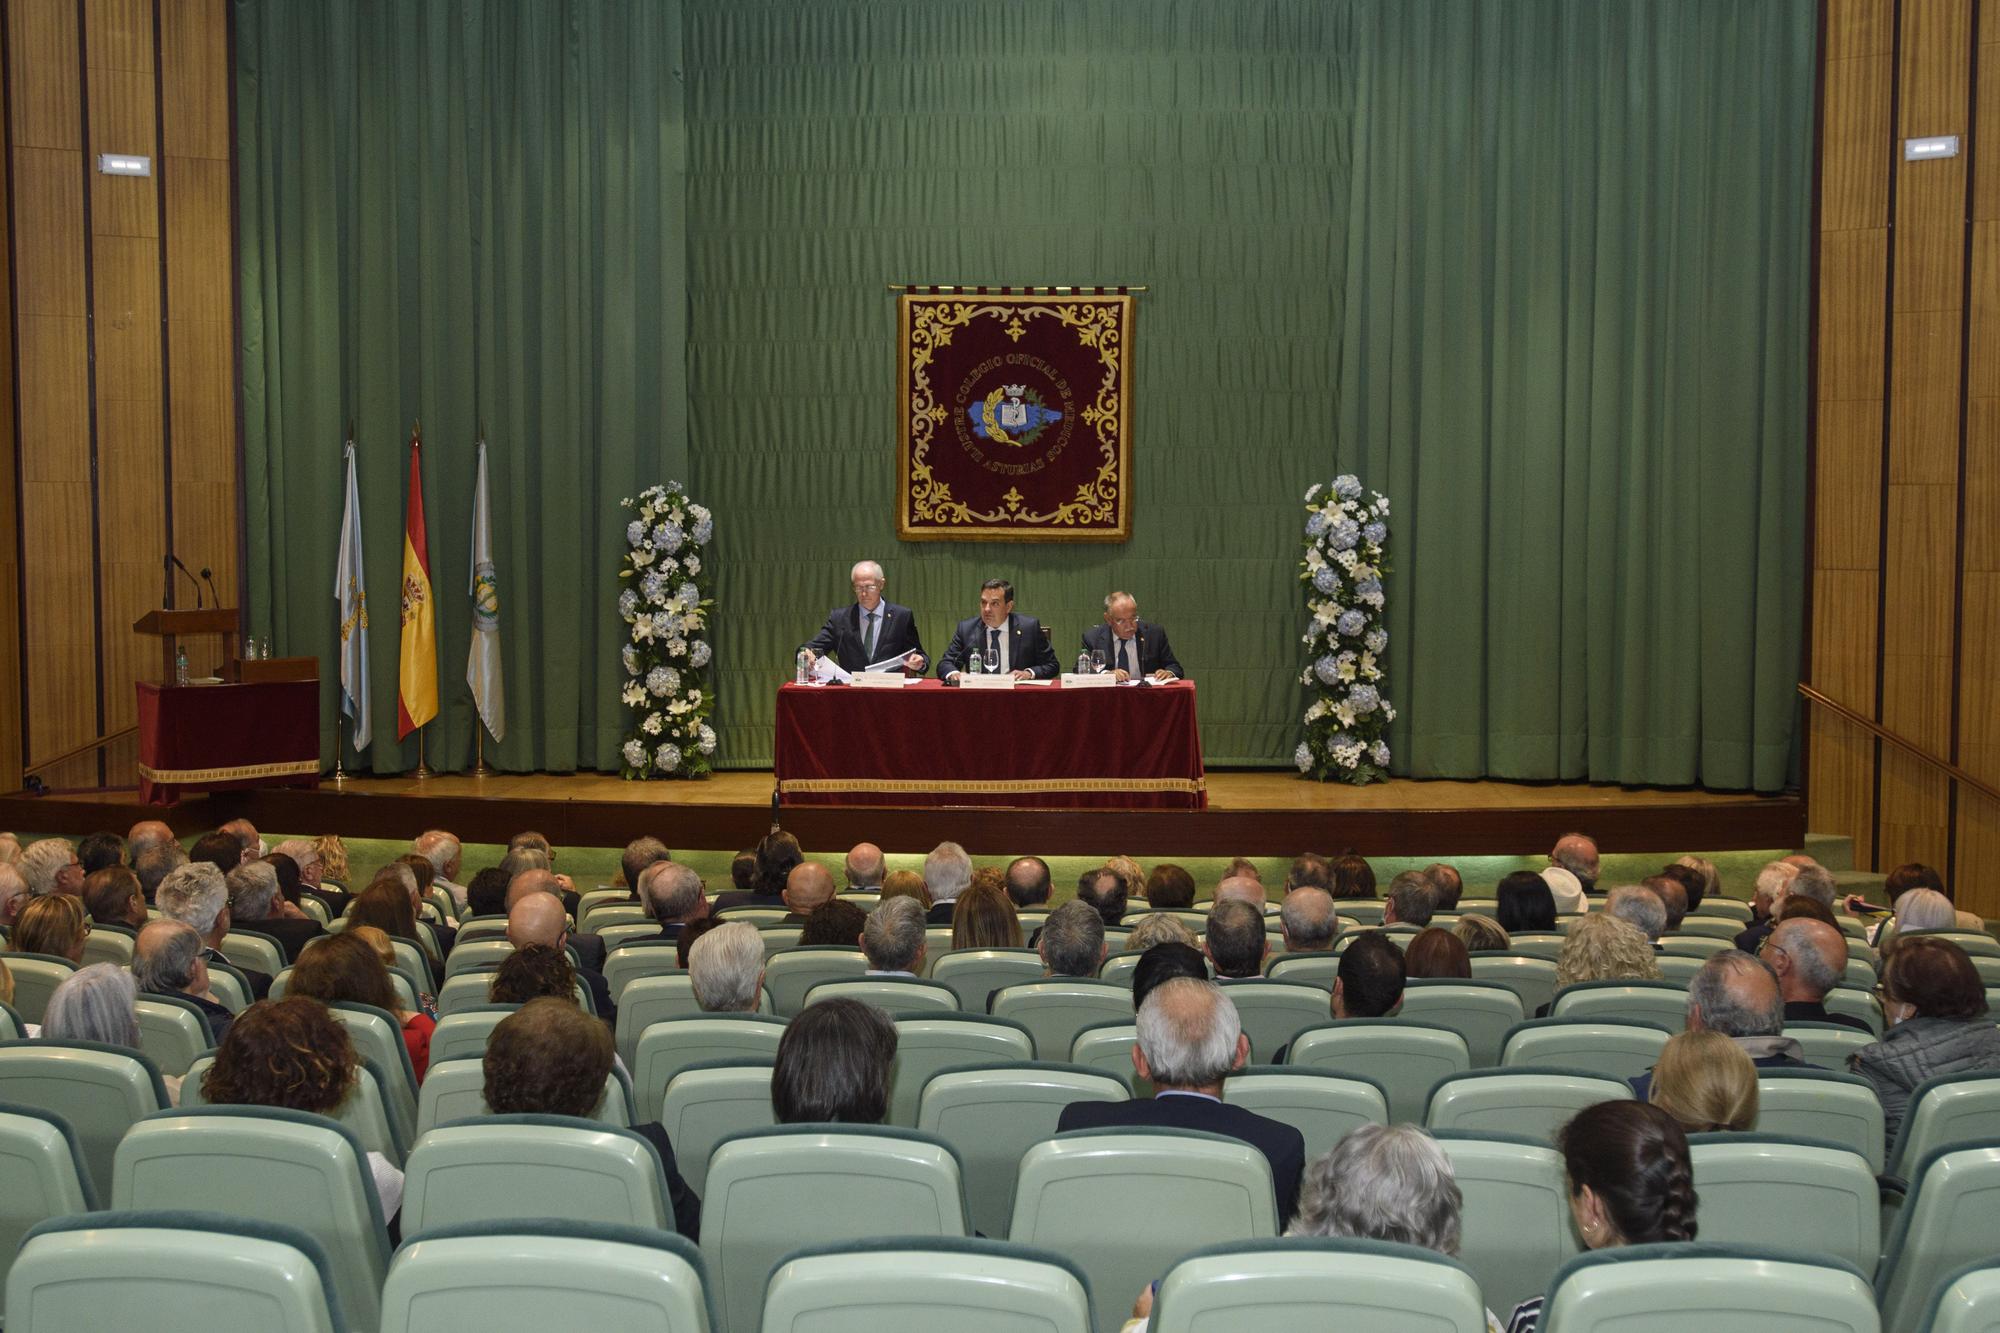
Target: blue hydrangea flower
pixel 1368 588
pixel 1303 757
pixel 698 655
pixel 706 742
pixel 1315 524
pixel 628 603
pixel 1375 532
pixel 1326 580
pixel 668 537
pixel 663 624
pixel 1351 623
pixel 667 758
pixel 1344 534
pixel 635 532
pixel 690 595
pixel 1379 752
pixel 630 654
pixel 1341 740
pixel 1363 699
pixel 635 755
pixel 653 583
pixel 1347 486
pixel 662 681
pixel 1327 670
pixel 704 528
pixel 1377 640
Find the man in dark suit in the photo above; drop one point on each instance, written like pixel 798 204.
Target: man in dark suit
pixel 871 630
pixel 166 960
pixel 197 895
pixel 672 893
pixel 1022 648
pixel 530 883
pixel 1810 957
pixel 1189 1038
pixel 1132 648
pixel 777 855
pixel 256 905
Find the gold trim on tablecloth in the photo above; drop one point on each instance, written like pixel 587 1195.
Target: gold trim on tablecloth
pixel 986 787
pixel 184 777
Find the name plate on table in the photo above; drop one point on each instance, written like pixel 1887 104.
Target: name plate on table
pixel 982 681
pixel 1093 680
pixel 879 680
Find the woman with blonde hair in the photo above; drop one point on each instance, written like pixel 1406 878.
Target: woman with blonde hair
pixel 1481 933
pixel 1711 878
pixel 985 919
pixel 1600 947
pixel 1159 928
pixel 906 884
pixel 1706 1082
pixel 54 925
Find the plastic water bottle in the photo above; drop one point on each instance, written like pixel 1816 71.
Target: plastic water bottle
pixel 804 668
pixel 1083 663
pixel 180 665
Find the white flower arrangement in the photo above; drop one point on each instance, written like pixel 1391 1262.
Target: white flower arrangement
pixel 1347 724
pixel 666 602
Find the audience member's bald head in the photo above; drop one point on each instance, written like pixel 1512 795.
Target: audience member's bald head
pixel 672 892
pixel 145 835
pixel 1576 853
pixel 809 885
pixel 1242 889
pixel 864 866
pixel 536 918
pixel 533 881
pixel 1309 919
pixel 1736 995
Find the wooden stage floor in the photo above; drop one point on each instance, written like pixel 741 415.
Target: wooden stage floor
pixel 1251 813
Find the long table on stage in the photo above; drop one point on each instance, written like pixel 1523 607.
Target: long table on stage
pixel 215 736
pixel 930 744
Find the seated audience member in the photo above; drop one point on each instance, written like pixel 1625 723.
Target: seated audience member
pixel 1565 890
pixel 1447 886
pixel 1677 886
pixel 1162 963
pixel 198 895
pixel 1809 957
pixel 1353 877
pixel 305 855
pixel 538 919
pixel 486 895
pixel 333 868
pixel 290 888
pixel 1602 947
pixel 1737 996
pixel 1706 884
pixel 1309 870
pixel 246 837
pixel 948 873
pixel 777 854
pixel 726 968
pixel 1765 897
pixel 1815 881
pixel 446 855
pixel 1916 875
pixel 1409 900
pixel 1243 889
pixel 985 919
pixel 112 897
pixel 1134 873
pixel 155 864
pixel 13 894
pixel 1236 942
pixel 1309 921
pixel 345 969
pixel 893 939
pixel 534 973
pixel 293 1053
pixel 1919 910
pixel 1639 907
pixel 1935 1006
pixel 1576 853
pixel 1242 866
pixel 7 997
pixel 1028 883
pixel 694 930
pixel 1481 933
pixel 221 850
pixel 1799 907
pixel 1525 904
pixel 97 1003
pixel 1190 1038
pixel 808 886
pixel 166 960
pixel 550 1058
pixel 416 873
pixel 54 925
pixel 1159 928
pixel 385 904
pixel 1706 1083
pixel 743 872
pixel 256 905
pixel 672 895
pixel 1631 1182
pixel 98 851
pixel 907 884
pixel 833 1065
pixel 1072 942
pixel 638 855
pixel 1369 981
pixel 833 923
pixel 50 867
pixel 864 866
pixel 1169 888
pixel 1438 954
pixel 142 836
pixel 1108 891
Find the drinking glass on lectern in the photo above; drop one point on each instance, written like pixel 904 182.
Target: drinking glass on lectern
pixel 1096 660
pixel 992 658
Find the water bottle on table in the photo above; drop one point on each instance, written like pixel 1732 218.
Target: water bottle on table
pixel 803 669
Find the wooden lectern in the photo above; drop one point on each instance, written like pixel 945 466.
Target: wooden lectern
pixel 169 625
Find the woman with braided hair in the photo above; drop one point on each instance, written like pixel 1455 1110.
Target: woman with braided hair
pixel 1631 1182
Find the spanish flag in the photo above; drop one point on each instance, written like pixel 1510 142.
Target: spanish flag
pixel 417 678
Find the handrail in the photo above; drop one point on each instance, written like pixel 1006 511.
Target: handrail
pixel 83 749
pixel 1910 747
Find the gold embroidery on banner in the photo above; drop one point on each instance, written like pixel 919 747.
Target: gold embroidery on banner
pixel 182 777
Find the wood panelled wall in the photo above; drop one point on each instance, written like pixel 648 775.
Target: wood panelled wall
pixel 121 429
pixel 1906 529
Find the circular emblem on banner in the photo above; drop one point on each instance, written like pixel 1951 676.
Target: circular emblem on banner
pixel 1014 414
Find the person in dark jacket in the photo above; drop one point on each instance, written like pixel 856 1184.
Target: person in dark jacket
pixel 1935 1006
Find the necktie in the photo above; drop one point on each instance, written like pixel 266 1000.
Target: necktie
pixel 868 640
pixel 1124 657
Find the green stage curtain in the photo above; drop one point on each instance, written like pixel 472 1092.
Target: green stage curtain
pixel 1574 354
pixel 462 213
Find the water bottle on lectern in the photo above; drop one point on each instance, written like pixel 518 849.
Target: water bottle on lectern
pixel 1083 663
pixel 802 667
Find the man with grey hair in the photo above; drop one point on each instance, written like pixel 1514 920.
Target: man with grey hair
pixel 1810 957
pixel 50 866
pixel 1132 648
pixel 145 834
pixel 197 895
pixel 1235 941
pixel 893 938
pixel 1447 886
pixel 1190 1038
pixel 1772 882
pixel 246 836
pixel 166 960
pixel 726 968
pixel 1072 942
pixel 1641 907
pixel 673 894
pixel 447 856
pixel 1243 888
pixel 1737 995
pixel 1577 853
pixel 865 867
pixel 871 631
pixel 1813 881
pixel 14 893
pixel 155 864
pixel 1309 920
pixel 255 904
pixel 1408 901
pixel 947 872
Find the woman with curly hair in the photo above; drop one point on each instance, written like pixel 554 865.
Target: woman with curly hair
pixel 536 972
pixel 54 925
pixel 1600 947
pixel 985 919
pixel 550 1058
pixel 345 968
pixel 293 1053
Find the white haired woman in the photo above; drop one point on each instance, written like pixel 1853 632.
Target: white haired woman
pixel 98 1003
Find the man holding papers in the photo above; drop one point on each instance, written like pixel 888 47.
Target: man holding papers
pixel 1135 649
pixel 872 633
pixel 1016 643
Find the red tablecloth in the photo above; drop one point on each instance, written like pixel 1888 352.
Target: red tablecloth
pixel 215 736
pixel 1035 745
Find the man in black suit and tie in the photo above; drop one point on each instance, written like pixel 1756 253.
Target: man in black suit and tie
pixel 1023 651
pixel 1190 1038
pixel 1133 648
pixel 871 630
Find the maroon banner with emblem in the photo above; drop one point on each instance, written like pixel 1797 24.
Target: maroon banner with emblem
pixel 1016 418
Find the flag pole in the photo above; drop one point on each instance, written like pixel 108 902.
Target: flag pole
pixel 480 768
pixel 339 773
pixel 423 769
